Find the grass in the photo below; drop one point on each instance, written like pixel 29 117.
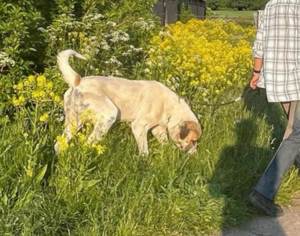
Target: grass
pixel 241 17
pixel 230 14
pixel 121 193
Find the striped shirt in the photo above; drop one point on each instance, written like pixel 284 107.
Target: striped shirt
pixel 278 43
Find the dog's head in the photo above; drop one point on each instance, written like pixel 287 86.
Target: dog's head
pixel 187 137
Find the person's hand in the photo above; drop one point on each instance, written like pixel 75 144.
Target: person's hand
pixel 254 80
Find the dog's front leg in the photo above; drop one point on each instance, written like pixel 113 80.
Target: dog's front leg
pixel 160 133
pixel 140 133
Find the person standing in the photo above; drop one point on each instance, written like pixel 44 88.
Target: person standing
pixel 276 53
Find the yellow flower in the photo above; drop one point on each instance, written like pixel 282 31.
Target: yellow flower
pixel 15 102
pixel 42 94
pixel 229 82
pixel 35 95
pixel 21 99
pixel 25 135
pixel 29 172
pixel 99 148
pixel 41 81
pixel 31 79
pixel 49 85
pixel 44 117
pixel 87 115
pixel 62 142
pixel 20 86
pixel 57 99
pixel 194 83
pixel 26 83
pixel 82 137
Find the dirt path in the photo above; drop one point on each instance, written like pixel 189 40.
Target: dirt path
pixel 285 225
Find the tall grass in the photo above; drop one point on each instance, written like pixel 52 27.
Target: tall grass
pixel 120 193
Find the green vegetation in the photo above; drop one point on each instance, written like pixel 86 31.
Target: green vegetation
pixel 108 189
pixel 237 4
pixel 244 18
pixel 231 14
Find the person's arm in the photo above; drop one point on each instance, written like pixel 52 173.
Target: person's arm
pixel 257 66
pixel 258 54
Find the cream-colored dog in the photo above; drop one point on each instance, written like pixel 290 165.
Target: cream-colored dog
pixel 148 105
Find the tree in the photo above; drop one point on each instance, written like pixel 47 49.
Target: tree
pixel 240 4
pixel 258 4
pixel 214 4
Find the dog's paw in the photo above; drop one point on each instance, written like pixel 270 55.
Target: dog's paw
pixel 144 154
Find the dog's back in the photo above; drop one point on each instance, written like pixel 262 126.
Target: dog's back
pixel 132 97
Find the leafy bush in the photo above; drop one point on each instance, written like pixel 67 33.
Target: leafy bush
pixel 111 35
pixel 185 13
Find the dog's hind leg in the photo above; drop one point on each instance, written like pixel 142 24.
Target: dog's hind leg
pixel 105 114
pixel 100 128
pixel 160 133
pixel 140 131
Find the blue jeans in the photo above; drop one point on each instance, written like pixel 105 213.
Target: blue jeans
pixel 270 181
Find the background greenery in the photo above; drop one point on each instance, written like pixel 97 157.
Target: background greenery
pixel 115 191
pixel 244 18
pixel 237 4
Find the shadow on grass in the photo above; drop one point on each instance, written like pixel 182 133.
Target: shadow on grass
pixel 240 166
pixel 272 112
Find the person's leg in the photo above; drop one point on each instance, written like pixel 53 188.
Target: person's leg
pixel 286 107
pixel 289 108
pixel 269 183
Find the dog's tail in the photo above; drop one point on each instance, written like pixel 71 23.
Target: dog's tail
pixel 71 77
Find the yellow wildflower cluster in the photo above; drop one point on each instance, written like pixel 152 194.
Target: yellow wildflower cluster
pixel 87 119
pixel 63 145
pixel 35 89
pixel 204 53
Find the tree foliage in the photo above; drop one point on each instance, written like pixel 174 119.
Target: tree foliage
pixel 237 4
pixel 25 26
pixel 115 34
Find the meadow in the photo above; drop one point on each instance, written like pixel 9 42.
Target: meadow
pixel 245 14
pixel 107 188
pixel 241 17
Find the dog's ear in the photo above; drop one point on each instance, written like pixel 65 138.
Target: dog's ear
pixel 183 130
pixel 187 126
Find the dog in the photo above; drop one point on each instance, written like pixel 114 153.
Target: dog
pixel 147 105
